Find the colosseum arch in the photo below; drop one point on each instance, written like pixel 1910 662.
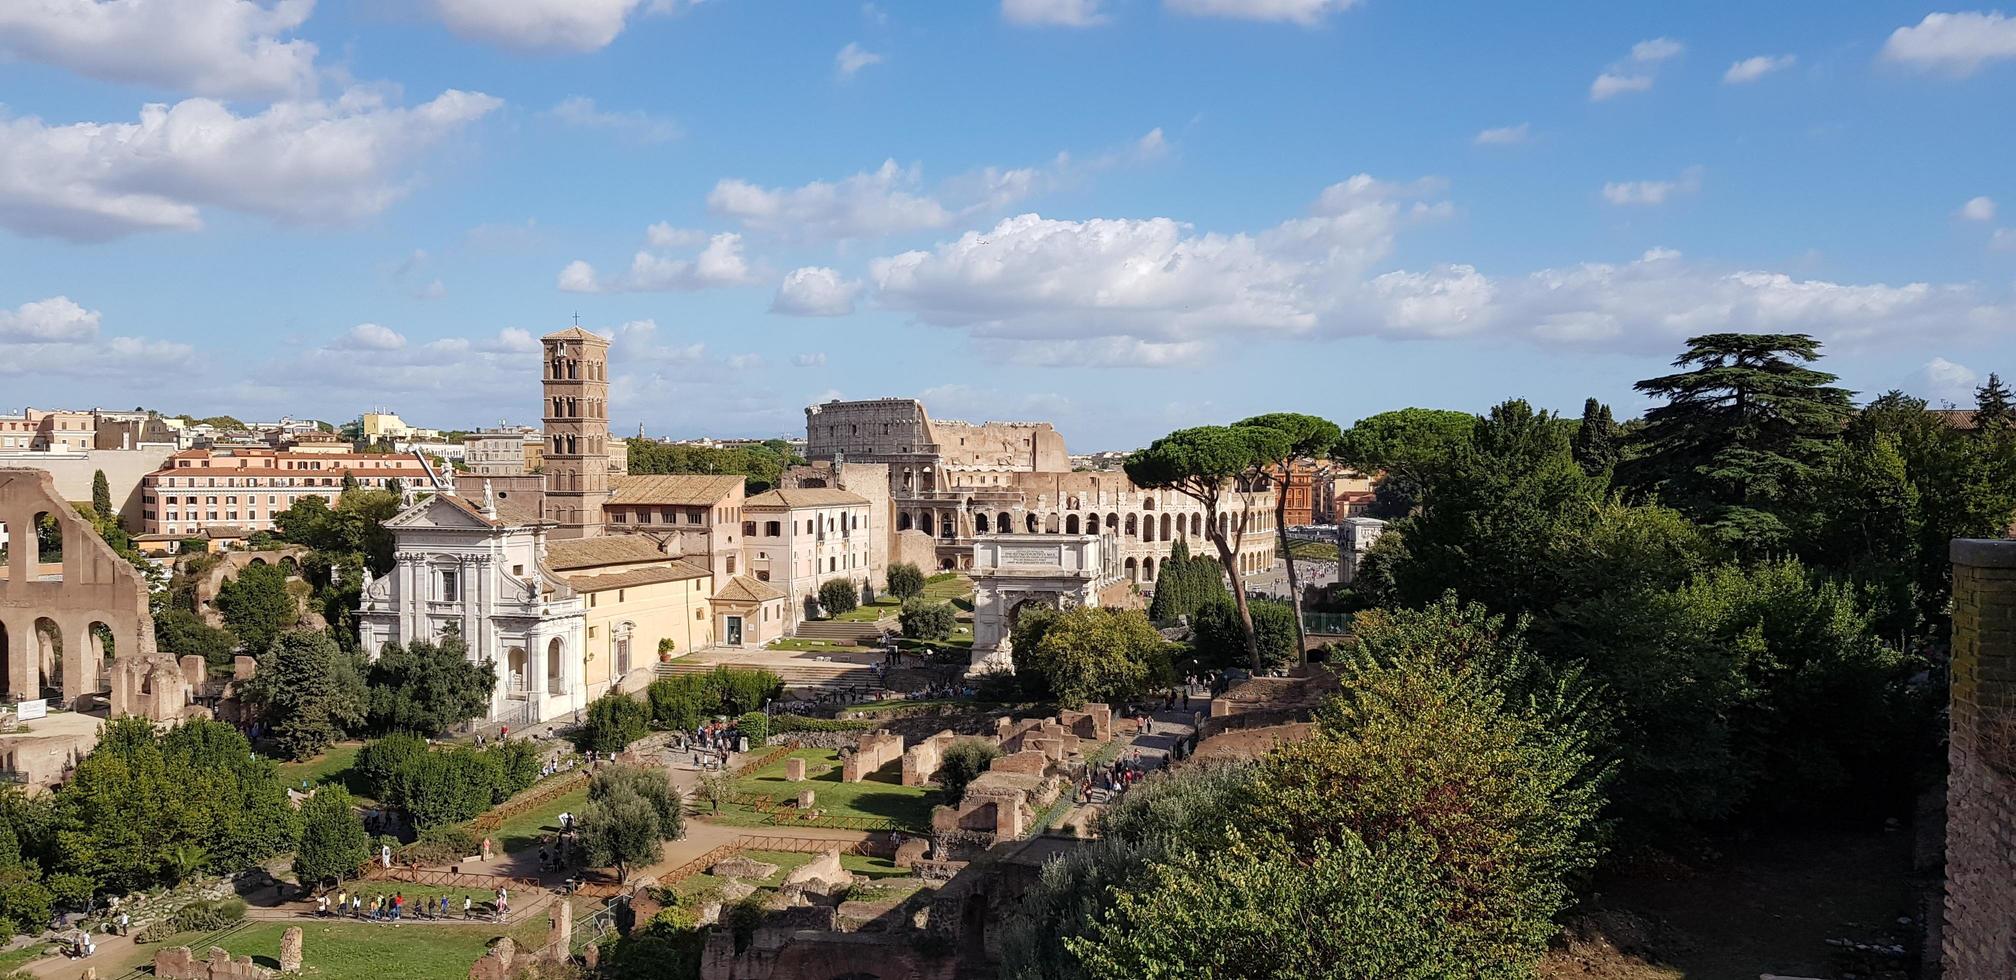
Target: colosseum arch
pixel 1071 524
pixel 1029 521
pixel 1112 523
pixel 1051 524
pixel 1133 525
pixel 1004 523
pixel 48 656
pixel 980 522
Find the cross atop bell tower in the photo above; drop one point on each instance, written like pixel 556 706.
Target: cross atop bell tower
pixel 576 413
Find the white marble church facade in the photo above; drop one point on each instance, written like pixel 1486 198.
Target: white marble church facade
pixel 461 569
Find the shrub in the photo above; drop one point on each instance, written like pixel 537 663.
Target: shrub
pixel 906 581
pixel 963 761
pixel 784 724
pixel 682 701
pixel 614 721
pixel 333 841
pixel 922 620
pixel 839 595
pixel 381 759
pixel 755 726
pixel 651 786
pixel 445 844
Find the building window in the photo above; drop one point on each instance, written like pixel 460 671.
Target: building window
pixel 762 576
pixel 748 527
pixel 731 564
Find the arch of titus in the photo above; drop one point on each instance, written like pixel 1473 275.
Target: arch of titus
pixel 1013 573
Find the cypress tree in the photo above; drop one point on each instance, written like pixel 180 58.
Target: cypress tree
pixel 1992 412
pixel 1596 439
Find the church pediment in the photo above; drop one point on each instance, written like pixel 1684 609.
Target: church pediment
pixel 442 512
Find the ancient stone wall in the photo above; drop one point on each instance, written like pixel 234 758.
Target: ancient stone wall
pixel 921 761
pixel 1979 936
pixel 871 753
pixel 178 963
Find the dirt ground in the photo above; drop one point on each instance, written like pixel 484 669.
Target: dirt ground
pixel 1763 906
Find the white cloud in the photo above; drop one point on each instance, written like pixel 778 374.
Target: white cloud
pixel 815 291
pixel 719 264
pixel 1978 209
pixel 853 58
pixel 1504 135
pixel 663 235
pixel 632 124
pixel 57 319
pixel 1303 12
pixel 1101 352
pixel 1956 44
pixel 538 25
pixel 1652 192
pixel 1656 50
pixel 1751 69
pixel 1637 71
pixel 514 340
pixel 371 336
pixel 305 162
pixel 230 48
pixel 813 359
pixel 1609 84
pixel 886 201
pixel 743 362
pixel 1945 381
pixel 1148 291
pixel 892 199
pixel 1062 13
pixel 56 337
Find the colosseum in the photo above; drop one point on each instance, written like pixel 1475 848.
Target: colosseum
pixel 953 480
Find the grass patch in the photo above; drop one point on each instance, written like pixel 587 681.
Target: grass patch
pixel 350 950
pixel 14 959
pixel 336 767
pixel 883 607
pixel 523 831
pixel 1313 550
pixel 882 796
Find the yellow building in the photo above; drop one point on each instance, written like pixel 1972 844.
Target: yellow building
pixel 637 601
pixel 373 426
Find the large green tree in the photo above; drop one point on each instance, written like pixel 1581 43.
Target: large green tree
pixel 334 843
pixel 1094 654
pixel 1184 584
pixel 427 686
pixel 1598 442
pixel 1216 466
pixel 1397 446
pixel 308 691
pixel 648 784
pixel 257 606
pixel 620 830
pixel 1309 438
pixel 1744 429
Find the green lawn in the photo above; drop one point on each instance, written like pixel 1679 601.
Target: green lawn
pixel 524 830
pixel 884 605
pixel 351 950
pixel 335 766
pixel 13 959
pixel 1314 550
pixel 882 796
pixel 415 894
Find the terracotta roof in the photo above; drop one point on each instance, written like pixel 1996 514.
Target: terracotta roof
pixel 623 549
pixel 574 333
pixel 796 497
pixel 674 572
pixel 678 488
pixel 742 588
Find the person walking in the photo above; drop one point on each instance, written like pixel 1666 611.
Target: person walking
pixel 398 905
pixel 467 906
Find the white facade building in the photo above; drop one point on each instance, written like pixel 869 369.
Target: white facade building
pixel 467 570
pixel 797 539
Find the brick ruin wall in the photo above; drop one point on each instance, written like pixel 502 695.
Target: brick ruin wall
pixel 1979 934
pixel 870 754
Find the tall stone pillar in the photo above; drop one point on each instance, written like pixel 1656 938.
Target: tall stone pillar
pixel 1979 938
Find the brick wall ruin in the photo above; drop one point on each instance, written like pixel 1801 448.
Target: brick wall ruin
pixel 870 754
pixel 1979 937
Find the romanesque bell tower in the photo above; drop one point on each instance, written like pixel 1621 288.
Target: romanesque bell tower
pixel 577 431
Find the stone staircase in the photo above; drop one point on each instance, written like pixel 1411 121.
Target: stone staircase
pixel 798 674
pixel 835 631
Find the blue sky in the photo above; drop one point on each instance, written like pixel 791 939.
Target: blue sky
pixel 1124 216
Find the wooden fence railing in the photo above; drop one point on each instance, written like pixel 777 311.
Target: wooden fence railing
pixel 488 821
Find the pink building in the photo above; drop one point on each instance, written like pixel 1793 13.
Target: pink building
pixel 244 488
